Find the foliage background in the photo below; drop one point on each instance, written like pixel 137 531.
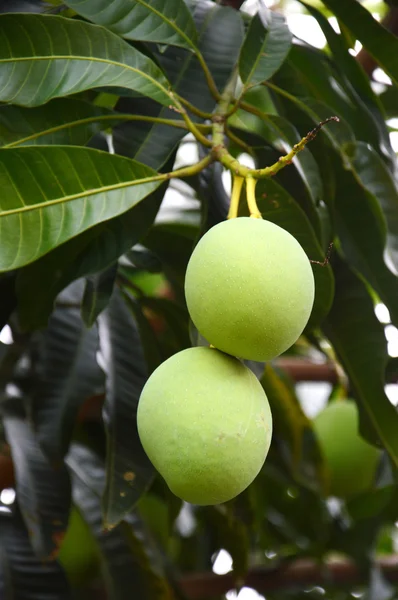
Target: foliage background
pixel 91 287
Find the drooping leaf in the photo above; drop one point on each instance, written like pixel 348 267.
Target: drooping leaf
pixel 23 576
pixel 98 290
pixel 378 41
pixel 43 491
pixel 361 228
pixel 358 339
pixel 129 471
pixel 145 20
pixel 46 56
pixel 266 45
pixel 374 176
pixel 90 252
pixel 153 144
pixel 369 123
pixel 130 563
pixel 62 121
pixel 64 191
pixel 69 374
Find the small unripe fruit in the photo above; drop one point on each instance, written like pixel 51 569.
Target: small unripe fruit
pixel 249 288
pixel 205 423
pixel 351 461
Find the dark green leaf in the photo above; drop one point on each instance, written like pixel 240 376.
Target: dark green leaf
pixel 145 20
pixel 153 353
pixel 23 576
pixel 278 206
pixel 90 252
pixel 129 471
pixel 130 562
pixel 361 229
pixel 374 176
pixel 62 121
pixel 369 118
pixel 377 40
pixel 266 45
pixel 58 56
pixel 64 191
pixel 69 374
pixel 98 290
pixel 43 492
pixel 358 339
pixel 152 144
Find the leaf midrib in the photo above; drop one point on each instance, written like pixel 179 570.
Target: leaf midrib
pixel 90 59
pixel 85 194
pixel 170 23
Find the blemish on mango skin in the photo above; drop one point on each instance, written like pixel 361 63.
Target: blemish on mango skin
pixel 129 476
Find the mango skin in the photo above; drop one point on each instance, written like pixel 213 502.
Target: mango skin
pixel 351 461
pixel 249 288
pixel 205 423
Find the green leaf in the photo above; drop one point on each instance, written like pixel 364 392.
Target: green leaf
pixel 130 565
pixel 266 45
pixel 145 20
pixel 377 179
pixel 153 144
pixel 276 205
pixel 69 374
pixel 22 574
pixel 62 121
pixel 129 471
pixel 359 341
pixel 378 41
pixel 64 191
pixel 8 299
pixel 369 123
pixel 361 228
pixel 97 293
pixel 45 57
pixel 43 491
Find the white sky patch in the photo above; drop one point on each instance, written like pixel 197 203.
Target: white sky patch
pixel 334 23
pixel 246 593
pixel 227 181
pixel 391 390
pixel 313 396
pixel 381 77
pixel 6 335
pixel 223 563
pixel 7 496
pixel 306 28
pixel 394 140
pixel 382 313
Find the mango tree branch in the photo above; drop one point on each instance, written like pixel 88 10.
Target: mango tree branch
pixel 298 574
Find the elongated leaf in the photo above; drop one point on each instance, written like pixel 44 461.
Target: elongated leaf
pixel 130 564
pixel 129 471
pixel 45 57
pixel 64 191
pixel 369 118
pixel 43 492
pixel 23 576
pixel 266 45
pixel 152 145
pixel 69 374
pixel 278 206
pixel 97 294
pixel 378 41
pixel 62 121
pixel 377 179
pixel 361 229
pixel 358 339
pixel 145 20
pixel 88 253
pixel 8 299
